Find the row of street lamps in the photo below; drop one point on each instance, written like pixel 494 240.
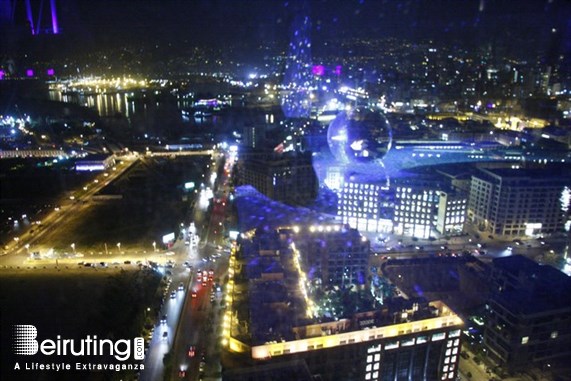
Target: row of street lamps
pixel 27 246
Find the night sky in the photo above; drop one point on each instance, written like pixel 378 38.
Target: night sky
pixel 526 24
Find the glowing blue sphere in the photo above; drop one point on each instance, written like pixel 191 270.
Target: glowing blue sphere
pixel 359 136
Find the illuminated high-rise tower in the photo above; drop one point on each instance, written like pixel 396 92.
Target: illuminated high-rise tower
pixel 296 102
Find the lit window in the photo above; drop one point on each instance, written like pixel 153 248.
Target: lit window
pixel 368 376
pixel 392 345
pixel 524 339
pixel 374 349
pixel 554 334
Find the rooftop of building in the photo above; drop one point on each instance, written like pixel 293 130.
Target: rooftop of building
pixel 258 211
pixel 552 171
pixel 456 171
pixel 94 157
pixel 539 288
pixel 275 371
pixel 285 308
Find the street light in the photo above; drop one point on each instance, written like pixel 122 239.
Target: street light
pixel 119 247
pixel 154 246
pixel 73 247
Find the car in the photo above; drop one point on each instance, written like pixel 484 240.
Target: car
pixel 164 319
pixel 201 366
pixel 194 294
pixel 165 335
pixel 181 286
pixel 173 295
pixel 127 262
pixel 182 373
pixel 191 351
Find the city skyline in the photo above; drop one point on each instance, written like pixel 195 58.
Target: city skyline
pixel 276 190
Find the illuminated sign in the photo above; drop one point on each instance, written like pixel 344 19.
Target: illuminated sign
pixel 89 167
pixel 168 238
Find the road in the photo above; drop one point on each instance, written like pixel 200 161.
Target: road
pixel 193 321
pixel 172 308
pixel 65 208
pixel 201 316
pixel 200 324
pixel 188 320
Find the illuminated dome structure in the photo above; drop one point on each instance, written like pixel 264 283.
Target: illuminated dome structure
pixel 359 136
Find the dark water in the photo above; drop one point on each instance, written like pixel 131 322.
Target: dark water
pixel 161 113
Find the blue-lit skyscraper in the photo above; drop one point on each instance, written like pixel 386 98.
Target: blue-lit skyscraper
pixel 295 101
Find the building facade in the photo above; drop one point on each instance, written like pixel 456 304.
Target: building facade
pixel 528 315
pixel 287 177
pixel 513 203
pixel 452 207
pixel 415 211
pixel 410 205
pixel 367 205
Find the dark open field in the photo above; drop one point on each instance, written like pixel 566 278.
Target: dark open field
pixel 73 304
